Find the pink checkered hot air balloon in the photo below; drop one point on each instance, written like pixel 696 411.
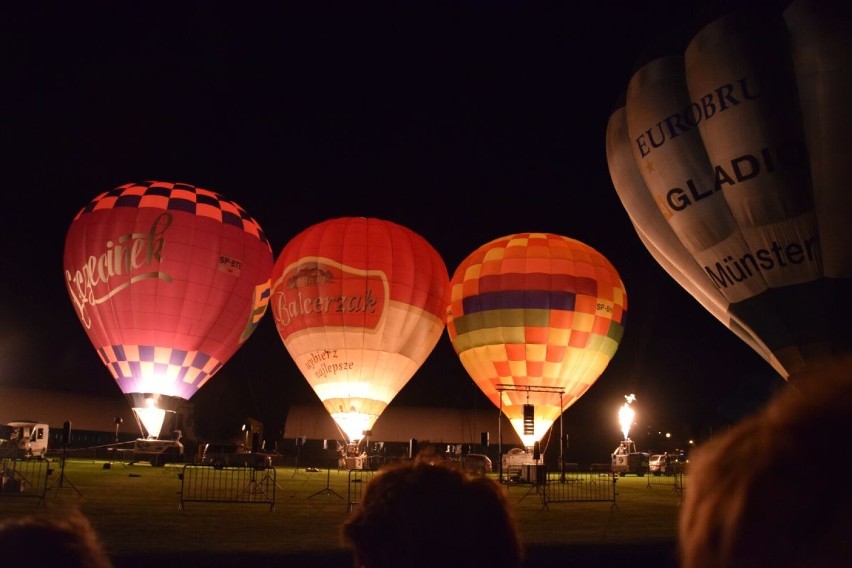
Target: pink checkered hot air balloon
pixel 535 319
pixel 360 304
pixel 168 280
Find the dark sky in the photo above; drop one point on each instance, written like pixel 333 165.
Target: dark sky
pixel 463 123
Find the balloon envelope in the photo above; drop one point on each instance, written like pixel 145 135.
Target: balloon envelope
pixel 535 319
pixel 359 304
pixel 168 280
pixel 732 160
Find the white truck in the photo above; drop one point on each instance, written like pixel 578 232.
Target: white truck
pixel 24 439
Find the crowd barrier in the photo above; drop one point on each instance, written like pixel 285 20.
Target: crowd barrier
pixel 675 478
pixel 358 479
pixel 575 487
pixel 24 478
pixel 206 483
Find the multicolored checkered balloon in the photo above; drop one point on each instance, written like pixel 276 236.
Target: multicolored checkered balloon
pixel 535 318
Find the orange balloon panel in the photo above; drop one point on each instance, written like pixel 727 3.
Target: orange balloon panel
pixel 359 304
pixel 168 281
pixel 535 318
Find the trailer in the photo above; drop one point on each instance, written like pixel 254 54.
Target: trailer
pixel 626 459
pixel 157 452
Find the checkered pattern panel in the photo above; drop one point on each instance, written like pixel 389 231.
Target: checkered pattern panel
pixel 558 290
pixel 536 309
pixel 177 197
pixel 169 369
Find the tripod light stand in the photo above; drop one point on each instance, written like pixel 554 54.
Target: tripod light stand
pixel 62 479
pixel 327 490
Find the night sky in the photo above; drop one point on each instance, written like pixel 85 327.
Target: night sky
pixel 463 123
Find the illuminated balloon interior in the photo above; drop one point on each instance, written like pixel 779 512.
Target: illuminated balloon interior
pixel 354 424
pixel 151 410
pixel 151 418
pixel 540 427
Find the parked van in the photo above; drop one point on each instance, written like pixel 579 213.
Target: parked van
pixel 26 439
pixel 669 463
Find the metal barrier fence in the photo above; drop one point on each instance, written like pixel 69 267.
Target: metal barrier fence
pixel 358 479
pixel 206 483
pixel 575 487
pixel 675 478
pixel 24 478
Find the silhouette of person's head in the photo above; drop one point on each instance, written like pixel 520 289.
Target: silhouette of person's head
pixel 413 511
pixel 766 491
pixel 65 540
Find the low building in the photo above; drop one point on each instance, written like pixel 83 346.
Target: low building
pixel 94 420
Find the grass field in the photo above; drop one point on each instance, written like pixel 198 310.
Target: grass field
pixel 135 509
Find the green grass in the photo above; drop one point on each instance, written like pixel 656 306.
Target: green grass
pixel 135 509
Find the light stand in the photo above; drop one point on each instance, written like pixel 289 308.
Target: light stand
pixel 118 421
pixel 500 438
pixel 299 443
pixel 66 435
pixel 256 446
pixel 561 447
pixel 253 487
pixel 267 478
pixel 366 440
pixel 328 490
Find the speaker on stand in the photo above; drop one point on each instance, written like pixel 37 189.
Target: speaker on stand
pixel 63 455
pixel 300 441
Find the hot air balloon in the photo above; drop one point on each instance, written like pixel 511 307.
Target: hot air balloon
pixel 359 303
pixel 732 160
pixel 535 319
pixel 168 280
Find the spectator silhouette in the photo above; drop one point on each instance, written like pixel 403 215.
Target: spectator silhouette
pixel 66 541
pixel 766 492
pixel 411 511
